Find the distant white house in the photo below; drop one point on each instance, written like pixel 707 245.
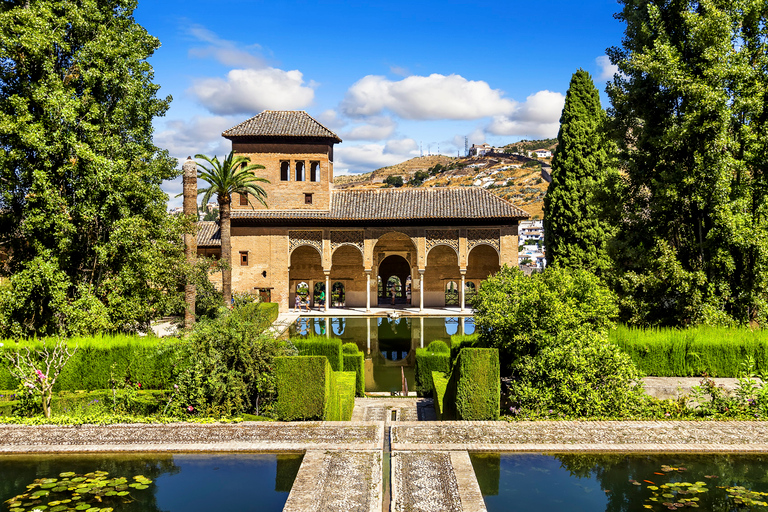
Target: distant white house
pixel 531 230
pixel 480 149
pixel 542 153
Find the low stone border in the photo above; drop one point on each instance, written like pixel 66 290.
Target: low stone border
pixel 193 437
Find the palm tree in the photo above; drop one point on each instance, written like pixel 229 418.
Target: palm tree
pixel 232 175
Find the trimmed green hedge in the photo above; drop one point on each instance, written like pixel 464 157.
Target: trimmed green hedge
pixel 146 360
pixel 474 388
pixel 434 358
pixel 439 384
pixel 303 385
pixel 308 389
pixel 460 341
pixel 144 403
pixel 356 363
pixel 717 351
pixel 319 346
pixel 345 382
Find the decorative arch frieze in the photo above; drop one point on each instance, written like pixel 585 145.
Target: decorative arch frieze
pixel 449 237
pixel 347 237
pixel 310 238
pixel 477 237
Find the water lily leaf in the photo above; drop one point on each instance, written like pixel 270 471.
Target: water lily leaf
pixel 67 474
pixel 41 493
pixel 82 506
pixel 59 489
pixel 123 493
pixel 107 509
pixel 58 508
pixel 141 487
pixel 17 509
pixel 79 479
pixel 668 495
pixel 653 488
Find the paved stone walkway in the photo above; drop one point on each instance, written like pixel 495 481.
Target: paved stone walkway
pixel 406 409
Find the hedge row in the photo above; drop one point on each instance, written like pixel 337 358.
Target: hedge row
pixel 439 385
pixel 308 389
pixel 460 341
pixel 144 403
pixel 434 358
pixel 320 346
pixel 473 391
pixel 720 352
pixel 265 313
pixel 356 363
pixel 141 359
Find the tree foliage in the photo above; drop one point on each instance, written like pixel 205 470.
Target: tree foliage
pixel 233 175
pixel 576 234
pixel 521 315
pixel 81 210
pixel 691 119
pixel 393 181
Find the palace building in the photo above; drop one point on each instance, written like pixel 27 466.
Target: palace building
pixel 430 246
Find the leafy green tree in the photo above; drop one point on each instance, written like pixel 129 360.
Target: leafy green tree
pixel 233 175
pixel 575 234
pixel 211 215
pixel 81 210
pixel 418 178
pixel 691 120
pixel 393 181
pixel 520 315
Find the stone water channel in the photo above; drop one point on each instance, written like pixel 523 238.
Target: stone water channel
pixel 344 463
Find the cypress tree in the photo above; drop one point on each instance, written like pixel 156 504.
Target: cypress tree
pixel 574 235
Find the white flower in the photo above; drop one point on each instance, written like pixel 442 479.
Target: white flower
pixel 1 345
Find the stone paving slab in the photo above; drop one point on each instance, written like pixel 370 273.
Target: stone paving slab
pixel 407 409
pixel 668 436
pixel 186 437
pixel 424 482
pixel 336 481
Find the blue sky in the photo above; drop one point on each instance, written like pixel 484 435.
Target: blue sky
pixel 393 79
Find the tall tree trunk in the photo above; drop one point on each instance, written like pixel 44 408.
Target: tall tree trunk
pixel 226 249
pixel 190 239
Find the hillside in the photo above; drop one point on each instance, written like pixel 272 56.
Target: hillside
pixel 515 178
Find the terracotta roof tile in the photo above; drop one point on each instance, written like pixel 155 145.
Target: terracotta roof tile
pixel 208 234
pixel 281 123
pixel 401 204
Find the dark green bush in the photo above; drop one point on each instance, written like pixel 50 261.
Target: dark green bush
pixel 146 360
pixel 350 348
pixel 717 351
pixel 303 386
pixel 319 346
pixel 474 388
pixel 224 367
pixel 355 362
pixel 428 361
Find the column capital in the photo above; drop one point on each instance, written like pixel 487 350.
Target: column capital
pixel 462 271
pixel 421 271
pixel 327 272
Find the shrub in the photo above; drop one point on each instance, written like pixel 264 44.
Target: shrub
pixel 439 384
pixel 225 367
pixel 460 341
pixel 303 385
pixel 307 389
pixel 474 388
pixel 583 375
pixel 319 346
pixel 434 358
pixel 522 315
pixel 345 382
pixel 354 360
pixel 147 360
pixel 717 351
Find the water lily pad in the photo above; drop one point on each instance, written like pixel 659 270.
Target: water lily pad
pixel 82 506
pixel 140 487
pixel 123 493
pixel 67 474
pixel 58 508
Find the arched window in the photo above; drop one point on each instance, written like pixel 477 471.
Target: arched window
pixel 299 171
pixel 302 289
pixel 285 171
pixel 314 171
pixel 337 294
pixel 451 294
pixel 318 297
pixel 470 290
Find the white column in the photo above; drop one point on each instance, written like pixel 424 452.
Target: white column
pixel 327 326
pixel 368 298
pixel 461 326
pixel 421 335
pixel 461 292
pixel 368 333
pixel 421 290
pixel 328 290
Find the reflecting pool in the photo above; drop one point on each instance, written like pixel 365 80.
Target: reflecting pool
pixel 621 482
pixel 389 344
pixel 148 482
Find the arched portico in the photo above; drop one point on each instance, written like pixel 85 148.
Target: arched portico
pixel 306 267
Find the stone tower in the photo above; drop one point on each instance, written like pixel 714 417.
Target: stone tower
pixel 297 153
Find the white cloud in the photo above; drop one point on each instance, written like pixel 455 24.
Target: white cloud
pixel 538 116
pixel 369 157
pixel 330 119
pixel 224 51
pixel 198 135
pixel 249 91
pixel 607 70
pixel 425 97
pixel 375 128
